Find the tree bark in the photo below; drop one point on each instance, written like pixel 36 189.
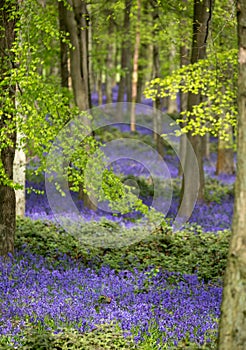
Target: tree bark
pixel 201 21
pixel 141 71
pixel 7 152
pixel 99 88
pixel 143 56
pixel 76 23
pixel 125 59
pixel 184 60
pixel 157 122
pixel 205 146
pixel 172 107
pixel 19 172
pixel 110 59
pixel 135 68
pixel 225 155
pixel 232 330
pixel 64 72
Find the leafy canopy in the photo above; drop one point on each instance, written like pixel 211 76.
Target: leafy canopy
pixel 215 78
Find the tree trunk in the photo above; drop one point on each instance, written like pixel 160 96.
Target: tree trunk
pixel 135 68
pixel 201 20
pixel 7 152
pixel 157 122
pixel 141 71
pixel 63 47
pixel 143 55
pixel 205 146
pixel 172 104
pixel 184 60
pixel 90 73
pixel 99 88
pixel 225 156
pixel 232 330
pixel 19 173
pixel 125 59
pixel 110 59
pixel 76 23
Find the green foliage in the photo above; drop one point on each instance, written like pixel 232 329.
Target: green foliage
pixel 108 134
pixel 185 252
pixel 215 78
pixel 146 186
pixel 216 191
pixel 151 340
pixel 105 336
pixel 43 110
pixel 44 238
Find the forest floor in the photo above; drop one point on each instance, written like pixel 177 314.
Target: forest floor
pixel 162 292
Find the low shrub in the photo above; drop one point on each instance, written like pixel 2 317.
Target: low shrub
pixel 216 191
pixel 188 251
pixel 106 336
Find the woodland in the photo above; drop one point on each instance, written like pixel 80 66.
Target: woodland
pixel 122 174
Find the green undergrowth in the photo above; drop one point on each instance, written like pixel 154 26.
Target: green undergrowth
pixel 110 133
pixel 215 190
pixel 188 251
pixel 104 337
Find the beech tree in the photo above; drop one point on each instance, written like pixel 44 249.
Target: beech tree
pixel 201 21
pixel 35 98
pixel 74 19
pixel 7 115
pixel 232 332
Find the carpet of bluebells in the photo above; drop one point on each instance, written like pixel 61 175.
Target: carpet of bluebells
pixel 33 290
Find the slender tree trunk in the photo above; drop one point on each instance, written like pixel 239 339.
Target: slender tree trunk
pixel 99 88
pixel 141 71
pixel 184 60
pixel 125 58
pixel 201 21
pixel 89 35
pixel 205 146
pixel 109 60
pixel 135 68
pixel 232 329
pixel 63 46
pixel 149 67
pixel 143 55
pixel 172 104
pixel 19 172
pixel 157 122
pixel 7 153
pixel 205 142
